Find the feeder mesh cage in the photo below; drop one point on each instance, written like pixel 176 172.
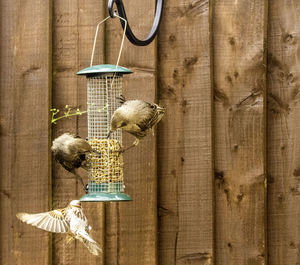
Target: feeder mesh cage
pixel 106 168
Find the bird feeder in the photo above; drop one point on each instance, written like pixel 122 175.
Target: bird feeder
pixel 104 87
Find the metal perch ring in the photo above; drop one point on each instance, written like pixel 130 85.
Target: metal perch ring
pixel 129 33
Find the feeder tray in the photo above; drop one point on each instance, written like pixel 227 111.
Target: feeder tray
pixel 104 86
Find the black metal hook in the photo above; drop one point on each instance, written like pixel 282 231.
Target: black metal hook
pixel 129 33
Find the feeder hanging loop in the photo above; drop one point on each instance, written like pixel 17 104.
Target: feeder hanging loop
pixel 129 33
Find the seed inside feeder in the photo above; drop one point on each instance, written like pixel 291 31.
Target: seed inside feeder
pixel 107 167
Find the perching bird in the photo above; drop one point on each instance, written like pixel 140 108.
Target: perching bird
pixel 71 152
pixel 136 117
pixel 69 220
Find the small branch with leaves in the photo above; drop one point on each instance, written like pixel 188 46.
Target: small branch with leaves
pixel 69 112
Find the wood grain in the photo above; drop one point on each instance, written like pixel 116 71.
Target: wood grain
pixel 74 28
pixel 283 132
pixel 181 212
pixel 185 183
pixel 132 225
pixel 24 138
pixel 239 32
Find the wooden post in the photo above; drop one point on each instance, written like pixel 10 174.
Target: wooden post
pixel 283 132
pixel 185 184
pixel 239 32
pixel 25 84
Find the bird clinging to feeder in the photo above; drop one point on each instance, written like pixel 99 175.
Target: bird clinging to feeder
pixel 69 220
pixel 136 117
pixel 71 152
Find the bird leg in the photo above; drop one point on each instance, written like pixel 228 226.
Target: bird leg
pixel 80 179
pixel 135 143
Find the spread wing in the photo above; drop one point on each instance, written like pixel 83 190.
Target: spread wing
pixel 53 221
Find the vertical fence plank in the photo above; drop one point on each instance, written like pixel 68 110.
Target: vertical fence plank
pixel 239 32
pixel 132 225
pixel 74 26
pixel 185 135
pixel 24 106
pixel 65 66
pixel 283 132
pixel 91 12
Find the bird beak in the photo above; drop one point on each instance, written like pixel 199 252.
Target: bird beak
pixel 108 134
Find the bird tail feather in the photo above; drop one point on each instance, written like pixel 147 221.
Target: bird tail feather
pixel 86 236
pixel 90 243
pixel 93 247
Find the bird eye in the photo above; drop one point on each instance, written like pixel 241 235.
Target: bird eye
pixel 123 124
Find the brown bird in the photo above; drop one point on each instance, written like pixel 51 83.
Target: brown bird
pixel 71 152
pixel 70 220
pixel 136 117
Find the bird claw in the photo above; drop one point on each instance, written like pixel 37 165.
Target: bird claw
pixel 120 151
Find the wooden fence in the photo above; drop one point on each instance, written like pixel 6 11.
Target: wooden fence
pixel 220 181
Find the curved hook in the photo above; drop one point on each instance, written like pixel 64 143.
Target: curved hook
pixel 129 33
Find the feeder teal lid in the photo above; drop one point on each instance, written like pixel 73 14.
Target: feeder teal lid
pixel 104 69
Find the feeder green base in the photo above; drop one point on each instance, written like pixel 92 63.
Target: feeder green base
pixel 105 197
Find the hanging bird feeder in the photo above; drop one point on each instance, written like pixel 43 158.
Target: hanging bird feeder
pixel 104 87
pixel 104 90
